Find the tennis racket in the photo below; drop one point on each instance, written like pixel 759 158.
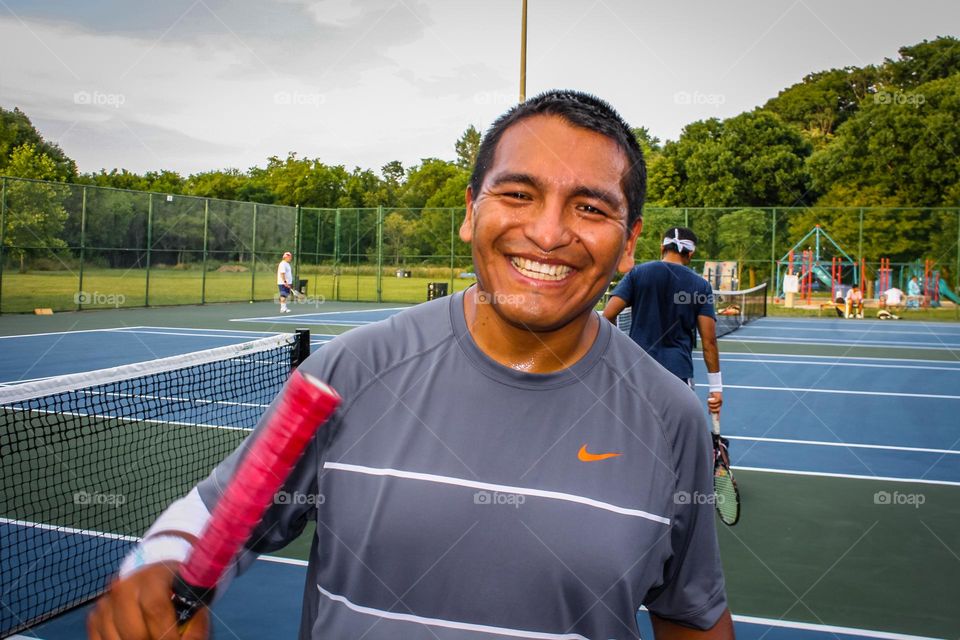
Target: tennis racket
pixel 306 404
pixel 724 486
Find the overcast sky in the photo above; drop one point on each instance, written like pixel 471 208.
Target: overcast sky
pixel 192 85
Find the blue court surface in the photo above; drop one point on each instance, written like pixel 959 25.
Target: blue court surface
pixel 41 355
pixel 847 417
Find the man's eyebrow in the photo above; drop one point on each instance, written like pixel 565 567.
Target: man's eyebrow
pixel 515 178
pixel 610 199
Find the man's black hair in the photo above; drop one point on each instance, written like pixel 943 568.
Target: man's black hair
pixel 681 233
pixel 580 110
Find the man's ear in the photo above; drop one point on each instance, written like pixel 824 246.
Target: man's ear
pixel 466 229
pixel 626 258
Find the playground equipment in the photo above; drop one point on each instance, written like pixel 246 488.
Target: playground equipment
pixel 933 286
pixel 812 265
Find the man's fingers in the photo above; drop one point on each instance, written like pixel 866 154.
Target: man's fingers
pixel 127 617
pixel 199 626
pixel 158 613
pixel 100 622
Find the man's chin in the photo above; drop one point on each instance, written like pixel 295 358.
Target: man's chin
pixel 537 318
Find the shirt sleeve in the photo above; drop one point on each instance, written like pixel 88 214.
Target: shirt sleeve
pixel 298 500
pixel 692 592
pixel 626 287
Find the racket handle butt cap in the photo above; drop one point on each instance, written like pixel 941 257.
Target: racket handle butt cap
pixel 188 599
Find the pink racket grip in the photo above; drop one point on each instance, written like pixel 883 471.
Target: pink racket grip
pixel 306 404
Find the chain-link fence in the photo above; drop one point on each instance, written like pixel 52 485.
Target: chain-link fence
pixel 69 246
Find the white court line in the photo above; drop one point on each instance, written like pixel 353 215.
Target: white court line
pixel 727 359
pixel 151 327
pixel 841 343
pixel 306 320
pixel 840 321
pixel 850 476
pixel 60 333
pixel 852 343
pixel 833 358
pixel 311 316
pixel 195 335
pixel 845 445
pixel 838 330
pixel 844 392
pixel 828 628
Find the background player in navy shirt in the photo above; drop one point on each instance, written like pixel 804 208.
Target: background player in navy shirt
pixel 669 302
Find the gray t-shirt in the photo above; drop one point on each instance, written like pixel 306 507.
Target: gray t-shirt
pixel 458 499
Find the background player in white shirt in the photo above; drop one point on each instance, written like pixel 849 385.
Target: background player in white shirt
pixel 285 280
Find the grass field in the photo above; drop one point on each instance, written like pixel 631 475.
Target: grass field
pixel 121 288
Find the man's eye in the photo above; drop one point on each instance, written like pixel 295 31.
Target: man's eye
pixel 589 208
pixel 516 195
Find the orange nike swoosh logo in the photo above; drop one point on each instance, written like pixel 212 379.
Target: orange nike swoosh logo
pixel 585 456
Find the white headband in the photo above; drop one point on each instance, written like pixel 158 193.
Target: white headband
pixel 680 244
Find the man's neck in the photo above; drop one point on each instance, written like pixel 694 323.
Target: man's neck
pixel 525 349
pixel 674 258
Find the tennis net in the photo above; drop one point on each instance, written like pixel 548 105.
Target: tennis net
pixel 90 460
pixel 734 309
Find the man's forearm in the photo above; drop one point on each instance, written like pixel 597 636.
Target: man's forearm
pixel 711 355
pixel 665 630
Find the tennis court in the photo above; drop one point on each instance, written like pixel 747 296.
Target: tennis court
pixel 844 439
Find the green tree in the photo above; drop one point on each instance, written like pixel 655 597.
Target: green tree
pixel 426 179
pixel 752 159
pixel 744 236
pixel 823 101
pixel 397 235
pixel 16 130
pixel 35 214
pixel 924 62
pixel 467 146
pixel 901 151
pixel 649 143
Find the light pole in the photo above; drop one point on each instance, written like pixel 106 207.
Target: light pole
pixel 523 53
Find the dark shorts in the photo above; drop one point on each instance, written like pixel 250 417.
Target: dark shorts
pixel 284 290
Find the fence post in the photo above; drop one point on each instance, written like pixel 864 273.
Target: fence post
pixel 146 293
pixel 83 243
pixel 356 253
pixel 316 254
pixel 860 250
pixel 380 253
pixel 453 225
pixel 686 217
pixel 206 235
pixel 773 253
pixel 956 276
pixel 297 246
pixel 336 256
pixel 3 226
pixel 253 256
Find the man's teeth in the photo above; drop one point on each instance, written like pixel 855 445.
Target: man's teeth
pixel 539 270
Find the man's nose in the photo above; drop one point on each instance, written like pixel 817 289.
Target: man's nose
pixel 549 225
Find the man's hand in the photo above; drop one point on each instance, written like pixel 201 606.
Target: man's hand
pixel 139 607
pixel 714 401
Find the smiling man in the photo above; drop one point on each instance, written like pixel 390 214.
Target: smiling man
pixel 504 465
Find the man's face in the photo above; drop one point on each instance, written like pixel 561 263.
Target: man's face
pixel 549 226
